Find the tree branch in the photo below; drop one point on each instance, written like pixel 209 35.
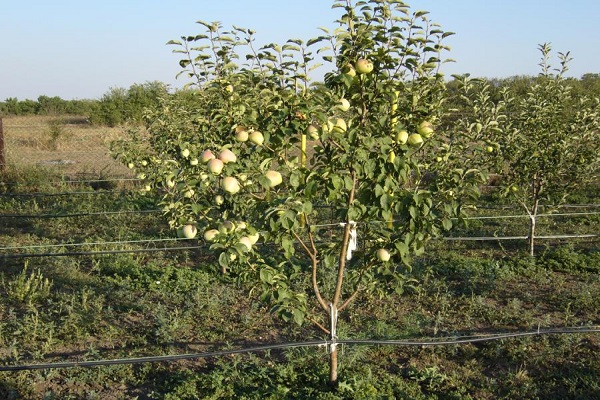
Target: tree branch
pixel 344 250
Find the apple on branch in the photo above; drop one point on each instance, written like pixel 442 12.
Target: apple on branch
pixel 344 105
pixel 254 237
pixel 425 129
pixel 210 234
pixel 241 134
pixel 227 156
pixel 226 227
pixel 188 231
pixel 274 178
pixel 383 255
pixel 231 185
pixel 312 132
pixel 363 66
pixel 215 166
pixel 340 126
pixel 246 241
pixel 256 137
pixel 415 140
pixel 349 70
pixel 206 156
pixel 402 136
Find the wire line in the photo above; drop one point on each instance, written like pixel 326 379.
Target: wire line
pixel 319 343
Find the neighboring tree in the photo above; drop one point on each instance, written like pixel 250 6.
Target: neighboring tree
pixel 339 217
pixel 51 105
pixel 111 108
pixel 120 105
pixel 12 106
pixel 548 145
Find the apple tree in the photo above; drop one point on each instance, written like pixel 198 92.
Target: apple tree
pixel 548 142
pixel 311 193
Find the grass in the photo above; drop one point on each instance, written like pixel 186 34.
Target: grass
pixel 110 306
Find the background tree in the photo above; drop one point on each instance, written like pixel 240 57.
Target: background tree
pixel 548 145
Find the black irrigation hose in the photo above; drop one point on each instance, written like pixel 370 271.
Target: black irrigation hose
pixel 320 343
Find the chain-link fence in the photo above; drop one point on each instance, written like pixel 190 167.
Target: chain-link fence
pixel 68 144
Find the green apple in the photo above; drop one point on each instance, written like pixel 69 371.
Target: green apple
pixel 363 66
pixel 254 237
pixel 194 161
pixel 401 136
pixel 130 165
pixel 219 199
pixel 185 153
pixel 230 185
pixel 144 163
pixel 274 178
pixel 210 234
pixel 215 166
pixel 189 231
pixel 328 126
pixel 240 225
pixel 349 70
pixel 312 132
pixel 246 241
pixel 425 129
pixel 241 134
pixel 229 88
pixel 340 126
pixel 489 149
pixel 227 156
pixel 189 193
pixel 206 156
pixel 257 138
pixel 226 227
pixel 391 157
pixel 383 255
pixel 415 140
pixel 344 105
pixel 170 182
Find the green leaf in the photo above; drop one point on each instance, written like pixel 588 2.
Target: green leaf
pixel 266 276
pixel 447 224
pixel 299 316
pixel 311 189
pixel 224 259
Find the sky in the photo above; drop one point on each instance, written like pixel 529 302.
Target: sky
pixel 80 49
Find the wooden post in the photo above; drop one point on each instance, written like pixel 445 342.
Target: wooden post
pixel 2 157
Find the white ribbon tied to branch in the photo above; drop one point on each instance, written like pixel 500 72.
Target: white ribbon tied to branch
pixel 353 240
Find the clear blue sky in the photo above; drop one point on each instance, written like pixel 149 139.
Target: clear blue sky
pixel 79 49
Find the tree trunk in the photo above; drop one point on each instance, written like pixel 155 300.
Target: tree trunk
pixel 333 368
pixel 536 188
pixel 531 237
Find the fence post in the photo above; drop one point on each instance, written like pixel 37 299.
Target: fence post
pixel 2 158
